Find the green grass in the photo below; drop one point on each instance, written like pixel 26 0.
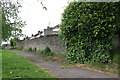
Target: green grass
pixel 15 66
pixel 112 68
pixel 109 68
pixel 0 63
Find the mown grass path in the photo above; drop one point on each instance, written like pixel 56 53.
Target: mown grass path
pixel 16 66
pixel 55 69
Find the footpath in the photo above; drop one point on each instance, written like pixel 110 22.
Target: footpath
pixel 54 68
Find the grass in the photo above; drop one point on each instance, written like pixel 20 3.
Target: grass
pixel 15 66
pixel 100 67
pixel 67 66
pixel 60 58
pixel 110 68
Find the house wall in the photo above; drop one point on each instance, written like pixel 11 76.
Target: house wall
pixel 53 42
pixel 48 32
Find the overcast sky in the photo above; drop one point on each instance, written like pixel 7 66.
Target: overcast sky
pixel 37 18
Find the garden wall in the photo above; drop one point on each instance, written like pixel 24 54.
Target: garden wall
pixel 52 41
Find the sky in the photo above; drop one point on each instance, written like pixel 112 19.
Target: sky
pixel 38 18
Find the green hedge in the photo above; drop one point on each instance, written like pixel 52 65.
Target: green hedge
pixel 88 30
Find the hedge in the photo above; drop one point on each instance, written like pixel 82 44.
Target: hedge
pixel 88 30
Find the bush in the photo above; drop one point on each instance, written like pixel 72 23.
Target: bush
pixel 46 52
pixel 88 30
pixel 13 42
pixel 50 53
pixel 47 49
pixel 39 51
pixel 30 49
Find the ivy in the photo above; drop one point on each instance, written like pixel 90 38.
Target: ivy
pixel 88 30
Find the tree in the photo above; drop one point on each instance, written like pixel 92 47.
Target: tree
pixel 11 22
pixel 13 42
pixel 88 30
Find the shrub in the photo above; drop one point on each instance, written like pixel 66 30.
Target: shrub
pixel 46 52
pixel 49 53
pixel 30 49
pixel 47 49
pixel 39 51
pixel 88 30
pixel 13 42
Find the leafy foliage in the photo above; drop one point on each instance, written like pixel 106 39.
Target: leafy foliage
pixel 30 49
pixel 47 49
pixel 13 42
pixel 47 52
pixel 11 22
pixel 88 30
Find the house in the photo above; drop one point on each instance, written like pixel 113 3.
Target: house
pixel 48 31
pixel 51 30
